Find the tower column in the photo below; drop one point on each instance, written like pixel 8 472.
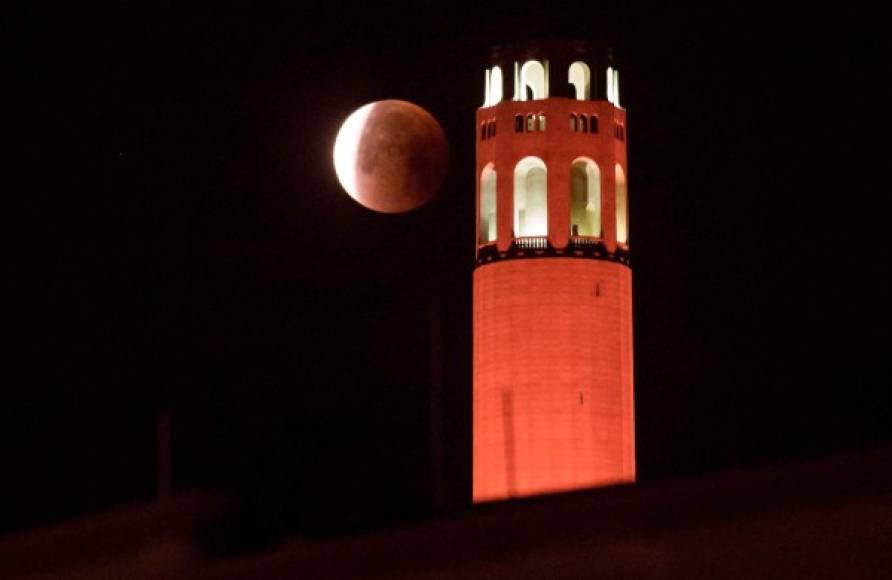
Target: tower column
pixel 553 393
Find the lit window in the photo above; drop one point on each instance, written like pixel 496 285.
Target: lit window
pixel 530 198
pixel 488 205
pixel 579 76
pixel 622 207
pixel 495 86
pixel 613 85
pixel 532 81
pixel 582 124
pixel 486 89
pixel 616 88
pixel 541 121
pixel 531 122
pixel 585 198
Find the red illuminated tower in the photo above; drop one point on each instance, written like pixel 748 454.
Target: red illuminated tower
pixel 553 403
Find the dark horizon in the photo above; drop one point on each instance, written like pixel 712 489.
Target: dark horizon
pixel 188 250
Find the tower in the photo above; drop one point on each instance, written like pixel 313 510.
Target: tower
pixel 553 403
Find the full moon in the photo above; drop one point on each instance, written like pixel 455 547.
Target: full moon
pixel 391 156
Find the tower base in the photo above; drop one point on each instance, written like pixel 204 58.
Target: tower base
pixel 553 402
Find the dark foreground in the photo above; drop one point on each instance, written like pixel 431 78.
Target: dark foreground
pixel 830 518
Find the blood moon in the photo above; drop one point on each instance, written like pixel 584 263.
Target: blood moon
pixel 391 156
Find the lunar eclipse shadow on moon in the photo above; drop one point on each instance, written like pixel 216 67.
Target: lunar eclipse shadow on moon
pixel 391 156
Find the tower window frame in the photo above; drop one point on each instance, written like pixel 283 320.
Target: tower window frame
pixel 579 77
pixel 622 206
pixel 530 212
pixel 488 206
pixel 586 219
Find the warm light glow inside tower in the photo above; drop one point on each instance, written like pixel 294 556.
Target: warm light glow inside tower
pixel 553 402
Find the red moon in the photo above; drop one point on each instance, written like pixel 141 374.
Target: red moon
pixel 391 156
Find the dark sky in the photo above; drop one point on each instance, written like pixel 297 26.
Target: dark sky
pixel 184 246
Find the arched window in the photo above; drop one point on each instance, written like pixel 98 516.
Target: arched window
pixel 616 87
pixel 532 77
pixel 580 77
pixel 488 204
pixel 573 123
pixel 582 124
pixel 530 198
pixel 495 86
pixel 613 85
pixel 486 89
pixel 483 130
pixel 541 121
pixel 620 132
pixel 622 207
pixel 593 125
pixel 492 127
pixel 585 198
pixel 531 122
pixel 518 123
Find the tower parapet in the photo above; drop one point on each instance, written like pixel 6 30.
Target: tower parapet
pixel 553 406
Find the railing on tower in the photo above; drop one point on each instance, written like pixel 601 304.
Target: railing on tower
pixel 531 242
pixel 583 242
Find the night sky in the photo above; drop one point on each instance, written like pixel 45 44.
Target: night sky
pixel 184 247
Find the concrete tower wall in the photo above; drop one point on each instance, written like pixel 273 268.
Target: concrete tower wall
pixel 552 376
